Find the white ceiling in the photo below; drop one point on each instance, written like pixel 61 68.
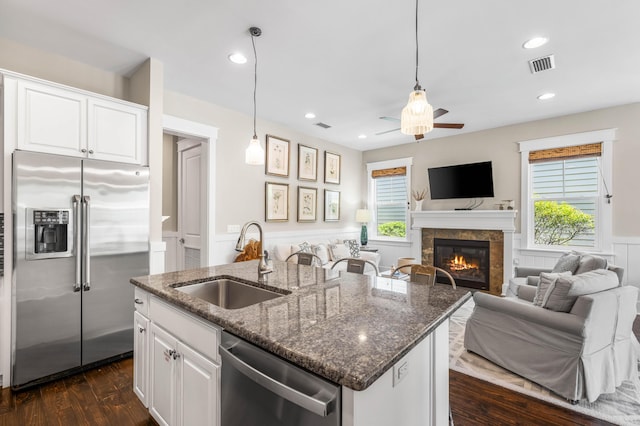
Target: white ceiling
pixel 352 61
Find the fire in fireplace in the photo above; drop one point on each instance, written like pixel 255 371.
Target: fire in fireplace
pixel 466 260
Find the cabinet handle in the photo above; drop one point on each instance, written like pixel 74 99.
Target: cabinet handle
pixel 83 150
pixel 141 329
pixel 90 151
pixel 138 301
pixel 181 240
pixel 174 354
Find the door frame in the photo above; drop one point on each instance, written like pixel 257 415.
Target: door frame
pixel 208 135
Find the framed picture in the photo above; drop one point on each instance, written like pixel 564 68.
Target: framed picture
pixel 276 205
pixel 277 163
pixel 331 205
pixel 331 167
pixel 307 204
pixel 307 163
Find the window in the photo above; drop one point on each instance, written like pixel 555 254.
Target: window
pixel 389 183
pixel 565 198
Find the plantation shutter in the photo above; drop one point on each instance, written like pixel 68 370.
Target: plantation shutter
pixel 391 194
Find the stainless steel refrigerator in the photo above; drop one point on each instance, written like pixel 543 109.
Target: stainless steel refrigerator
pixel 81 230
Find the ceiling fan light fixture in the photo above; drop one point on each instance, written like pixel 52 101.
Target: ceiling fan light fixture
pixel 417 116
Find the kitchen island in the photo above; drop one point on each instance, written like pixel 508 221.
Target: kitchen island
pixel 384 341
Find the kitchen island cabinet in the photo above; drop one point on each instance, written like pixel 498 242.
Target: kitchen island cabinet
pixel 384 341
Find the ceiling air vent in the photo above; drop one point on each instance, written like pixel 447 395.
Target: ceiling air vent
pixel 323 125
pixel 542 64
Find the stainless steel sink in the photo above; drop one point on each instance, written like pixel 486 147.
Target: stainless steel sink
pixel 228 294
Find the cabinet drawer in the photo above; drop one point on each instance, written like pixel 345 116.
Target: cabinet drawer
pixel 191 330
pixel 141 301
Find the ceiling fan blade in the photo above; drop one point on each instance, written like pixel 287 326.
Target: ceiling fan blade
pixel 448 125
pixel 387 131
pixel 390 118
pixel 439 112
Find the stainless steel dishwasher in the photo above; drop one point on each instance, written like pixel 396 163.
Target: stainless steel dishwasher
pixel 259 388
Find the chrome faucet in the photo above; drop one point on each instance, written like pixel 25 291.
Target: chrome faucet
pixel 263 267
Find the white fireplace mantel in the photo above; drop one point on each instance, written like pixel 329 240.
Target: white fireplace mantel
pixel 494 220
pixel 501 220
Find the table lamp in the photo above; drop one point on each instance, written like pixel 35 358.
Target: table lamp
pixel 363 217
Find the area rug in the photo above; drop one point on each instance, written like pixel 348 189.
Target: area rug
pixel 622 407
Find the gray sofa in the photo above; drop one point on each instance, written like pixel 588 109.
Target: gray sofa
pixel 576 340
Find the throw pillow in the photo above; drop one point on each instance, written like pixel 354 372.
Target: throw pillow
pixel 354 247
pixel 305 247
pixel 589 262
pixel 566 289
pixel 547 279
pixel 322 252
pixel 567 262
pixel 338 251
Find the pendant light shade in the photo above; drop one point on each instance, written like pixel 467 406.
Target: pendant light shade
pixel 417 116
pixel 254 154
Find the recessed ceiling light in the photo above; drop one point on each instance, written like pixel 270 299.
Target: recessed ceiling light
pixel 362 136
pixel 238 58
pixel 535 42
pixel 309 115
pixel 546 96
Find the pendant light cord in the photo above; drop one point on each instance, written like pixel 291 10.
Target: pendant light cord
pixel 255 83
pixel 417 87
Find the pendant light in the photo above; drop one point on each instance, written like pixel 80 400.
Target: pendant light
pixel 417 116
pixel 254 153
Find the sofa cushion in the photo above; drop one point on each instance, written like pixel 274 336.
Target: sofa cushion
pixel 564 292
pixel 338 251
pixel 547 279
pixel 567 262
pixel 589 262
pixel 322 251
pixel 354 247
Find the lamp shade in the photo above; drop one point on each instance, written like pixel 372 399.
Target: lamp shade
pixel 254 154
pixel 417 116
pixel 362 216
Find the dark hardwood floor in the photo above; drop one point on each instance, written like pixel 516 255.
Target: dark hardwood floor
pixel 104 396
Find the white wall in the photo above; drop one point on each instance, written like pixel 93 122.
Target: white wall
pixel 240 187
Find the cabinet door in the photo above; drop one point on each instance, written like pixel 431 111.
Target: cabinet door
pixel 116 131
pixel 162 395
pixel 50 119
pixel 197 389
pixel 141 357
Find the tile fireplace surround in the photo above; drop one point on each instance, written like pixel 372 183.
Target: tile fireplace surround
pixel 495 226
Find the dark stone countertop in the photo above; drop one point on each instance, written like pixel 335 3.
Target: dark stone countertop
pixel 345 327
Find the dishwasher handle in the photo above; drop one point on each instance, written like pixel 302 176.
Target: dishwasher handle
pixel 320 407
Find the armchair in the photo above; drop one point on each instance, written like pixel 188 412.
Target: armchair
pixel 583 352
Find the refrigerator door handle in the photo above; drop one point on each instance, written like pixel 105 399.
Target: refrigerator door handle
pixel 85 242
pixel 78 241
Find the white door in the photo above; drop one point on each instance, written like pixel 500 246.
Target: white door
pixel 197 389
pixel 191 184
pixel 162 398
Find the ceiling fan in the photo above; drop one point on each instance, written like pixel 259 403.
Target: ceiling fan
pixel 437 113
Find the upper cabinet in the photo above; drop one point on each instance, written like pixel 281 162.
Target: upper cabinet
pixel 60 120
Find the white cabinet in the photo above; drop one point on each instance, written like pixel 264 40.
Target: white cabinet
pixel 141 357
pixel 116 131
pixel 61 120
pixel 183 371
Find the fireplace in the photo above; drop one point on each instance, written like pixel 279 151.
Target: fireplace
pixel 466 260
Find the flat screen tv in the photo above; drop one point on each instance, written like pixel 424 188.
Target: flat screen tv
pixel 473 180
